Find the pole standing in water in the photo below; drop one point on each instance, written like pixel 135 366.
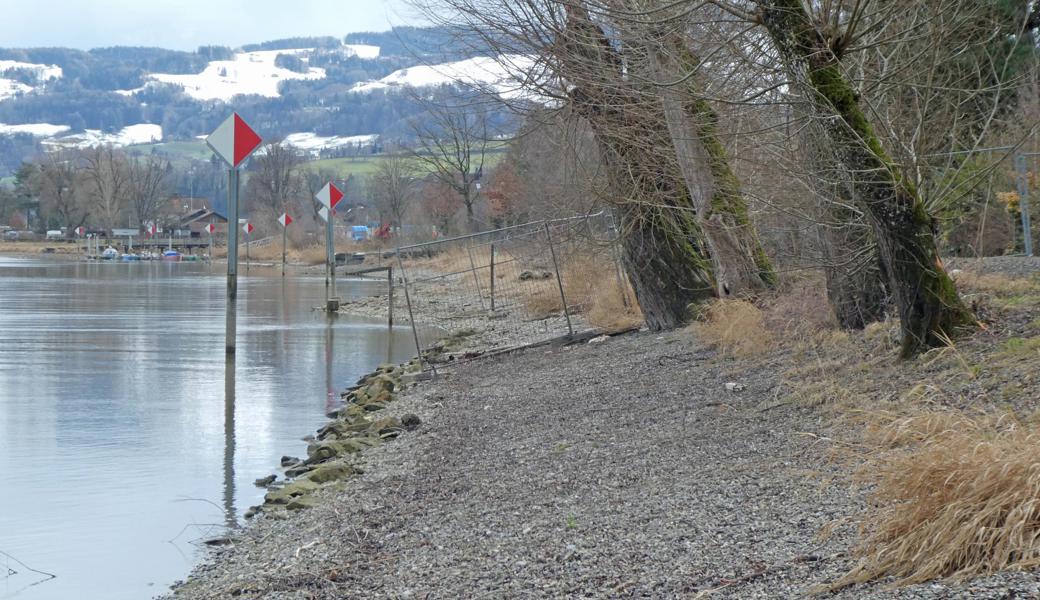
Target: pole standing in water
pixel 233 141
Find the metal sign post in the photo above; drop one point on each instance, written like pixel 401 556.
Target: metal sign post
pixel 233 141
pixel 329 197
pixel 284 220
pixel 247 228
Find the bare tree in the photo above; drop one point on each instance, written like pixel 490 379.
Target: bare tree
pixel 391 186
pixel 149 179
pixel 452 143
pixel 107 183
pixel 55 183
pixel 275 179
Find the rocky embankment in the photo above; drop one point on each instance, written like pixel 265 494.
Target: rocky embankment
pixel 331 456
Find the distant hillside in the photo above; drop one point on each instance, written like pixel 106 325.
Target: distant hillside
pixel 316 88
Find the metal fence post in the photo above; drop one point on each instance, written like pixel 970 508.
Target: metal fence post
pixel 390 297
pixel 492 277
pixel 559 281
pixel 411 314
pixel 473 269
pixel 1023 202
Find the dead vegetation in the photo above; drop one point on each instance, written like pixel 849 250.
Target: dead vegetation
pixel 944 446
pixel 955 495
pixel 735 327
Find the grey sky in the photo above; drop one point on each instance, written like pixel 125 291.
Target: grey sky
pixel 187 24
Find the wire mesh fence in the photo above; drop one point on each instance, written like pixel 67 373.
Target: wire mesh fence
pixel 510 287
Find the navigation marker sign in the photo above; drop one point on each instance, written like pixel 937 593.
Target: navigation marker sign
pixel 329 196
pixel 81 230
pixel 211 228
pixel 285 219
pixel 248 228
pixel 234 141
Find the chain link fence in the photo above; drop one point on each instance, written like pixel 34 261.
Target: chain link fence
pixel 511 287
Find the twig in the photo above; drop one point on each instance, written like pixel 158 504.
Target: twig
pixel 27 568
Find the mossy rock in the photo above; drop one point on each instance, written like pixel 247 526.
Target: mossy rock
pixel 290 491
pixel 302 502
pixel 331 472
pixel 374 406
pixel 360 396
pixel 385 425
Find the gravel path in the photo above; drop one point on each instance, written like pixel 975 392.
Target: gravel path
pixel 618 469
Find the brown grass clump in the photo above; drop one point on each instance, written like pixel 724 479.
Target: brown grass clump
pixel 591 287
pixel 956 496
pixel 735 327
pixel 994 283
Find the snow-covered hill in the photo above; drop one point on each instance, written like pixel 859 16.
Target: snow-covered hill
pixel 40 74
pixel 250 73
pixel 499 74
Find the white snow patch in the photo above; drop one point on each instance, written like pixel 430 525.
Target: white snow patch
pixel 36 129
pixel 43 73
pixel 314 144
pixel 504 75
pixel 249 73
pixel 361 50
pixel 143 133
pixel 10 88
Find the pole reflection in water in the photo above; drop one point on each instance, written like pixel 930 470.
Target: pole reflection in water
pixel 229 442
pixel 331 399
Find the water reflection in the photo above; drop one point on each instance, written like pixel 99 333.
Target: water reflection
pixel 230 516
pixel 113 439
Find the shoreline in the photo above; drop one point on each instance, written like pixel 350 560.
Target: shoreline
pixel 630 467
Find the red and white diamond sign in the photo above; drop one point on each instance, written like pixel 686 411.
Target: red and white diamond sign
pixel 329 196
pixel 234 141
pixel 248 228
pixel 81 230
pixel 285 219
pixel 211 228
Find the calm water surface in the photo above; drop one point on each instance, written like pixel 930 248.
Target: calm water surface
pixel 126 438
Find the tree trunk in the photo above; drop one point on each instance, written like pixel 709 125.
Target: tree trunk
pixel 669 273
pixel 740 264
pixel 928 304
pixel 857 288
pixel 664 233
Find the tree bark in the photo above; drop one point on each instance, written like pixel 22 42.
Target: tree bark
pixel 662 245
pixel 740 265
pixel 927 300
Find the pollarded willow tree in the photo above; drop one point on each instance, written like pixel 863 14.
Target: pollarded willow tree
pixel 817 44
pixel 687 236
pixel 814 41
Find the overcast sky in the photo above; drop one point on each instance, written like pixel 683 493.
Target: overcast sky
pixel 187 24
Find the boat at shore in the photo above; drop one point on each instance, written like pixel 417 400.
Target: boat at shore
pixel 172 255
pixel 109 253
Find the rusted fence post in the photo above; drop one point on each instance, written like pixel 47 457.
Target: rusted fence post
pixel 559 280
pixel 492 277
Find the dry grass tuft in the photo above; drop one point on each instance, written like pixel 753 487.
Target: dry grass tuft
pixel 591 286
pixel 956 495
pixel 994 283
pixel 735 327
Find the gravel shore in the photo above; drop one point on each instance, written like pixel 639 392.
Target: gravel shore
pixel 618 469
pixel 624 468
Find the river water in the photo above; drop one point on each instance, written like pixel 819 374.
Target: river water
pixel 126 438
